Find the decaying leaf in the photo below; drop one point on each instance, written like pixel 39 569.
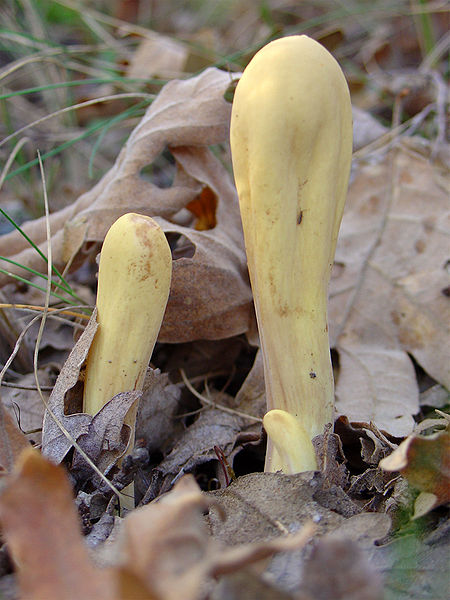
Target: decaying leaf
pixel 387 299
pixel 54 442
pixel 158 56
pixel 348 574
pixel 425 462
pixel 210 296
pixel 304 571
pixel 107 437
pixel 169 537
pixel 25 404
pixel 42 529
pixel 156 426
pixel 12 440
pixel 163 551
pixel 261 505
pixel 212 428
pixel 103 437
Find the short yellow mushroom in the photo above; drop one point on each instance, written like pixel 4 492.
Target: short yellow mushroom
pixel 291 146
pixel 291 442
pixel 133 288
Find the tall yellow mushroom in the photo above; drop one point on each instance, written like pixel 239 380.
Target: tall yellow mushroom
pixel 291 145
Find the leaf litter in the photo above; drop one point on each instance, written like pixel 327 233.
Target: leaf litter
pixel 388 312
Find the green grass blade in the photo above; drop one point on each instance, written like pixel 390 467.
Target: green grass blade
pixel 35 285
pixel 36 273
pixel 38 250
pixel 78 82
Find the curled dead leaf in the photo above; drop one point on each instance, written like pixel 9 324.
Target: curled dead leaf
pixel 425 462
pixel 42 529
pixel 210 296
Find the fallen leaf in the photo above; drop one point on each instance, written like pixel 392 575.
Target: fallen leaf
pixel 204 208
pixel 163 550
pixel 359 533
pixel 195 446
pixel 166 545
pixel 24 403
pixel 425 462
pixel 55 444
pixel 12 440
pixel 210 294
pixel 337 569
pixel 414 568
pixel 259 506
pixel 42 529
pixel 158 56
pixel 386 299
pixel 107 437
pixel 156 427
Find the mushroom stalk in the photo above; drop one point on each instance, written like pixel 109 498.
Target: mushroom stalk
pixel 291 145
pixel 133 287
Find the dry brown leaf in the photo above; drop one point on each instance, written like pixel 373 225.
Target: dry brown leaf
pixel 12 440
pixel 107 437
pixel 425 462
pixel 170 537
pixel 260 506
pixel 158 56
pixel 54 443
pixel 210 296
pixel 166 545
pixel 156 427
pixel 348 574
pixel 387 297
pixel 24 403
pixel 103 437
pixel 213 427
pixel 163 550
pixel 42 529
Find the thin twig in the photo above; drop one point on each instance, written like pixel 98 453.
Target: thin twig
pixel 209 402
pixel 62 311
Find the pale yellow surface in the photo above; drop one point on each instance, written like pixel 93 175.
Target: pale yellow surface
pixel 291 142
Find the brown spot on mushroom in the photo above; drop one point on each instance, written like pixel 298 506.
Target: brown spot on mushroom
pixel 371 206
pixel 405 177
pixel 429 224
pixel 420 246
